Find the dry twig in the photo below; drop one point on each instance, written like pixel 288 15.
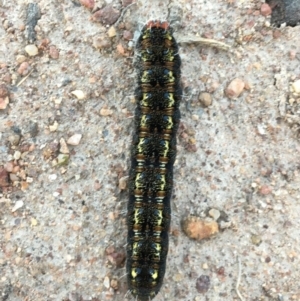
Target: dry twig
pixel 208 42
pixel 24 78
pixel 239 279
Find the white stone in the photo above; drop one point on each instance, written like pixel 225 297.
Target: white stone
pixel 18 205
pixel 31 50
pixel 296 86
pixel 63 146
pixel 53 127
pixel 17 155
pixel 106 282
pixel 75 139
pixel 214 213
pixel 4 102
pixel 52 177
pixel 235 88
pixel 79 94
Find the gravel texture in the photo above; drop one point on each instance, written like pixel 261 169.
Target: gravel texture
pixel 66 122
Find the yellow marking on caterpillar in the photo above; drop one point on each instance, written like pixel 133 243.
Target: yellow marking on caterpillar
pixel 144 78
pixel 167 148
pixel 135 249
pixel 136 216
pixel 170 77
pixel 145 99
pixel 134 274
pixel 169 56
pixel 170 123
pixel 147 34
pixel 157 251
pixel 138 178
pixel 168 36
pixel 140 145
pixel 154 275
pixel 143 121
pixel 163 184
pixel 157 247
pixel 160 219
pixel 171 100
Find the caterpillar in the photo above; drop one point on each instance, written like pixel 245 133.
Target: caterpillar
pixel 153 154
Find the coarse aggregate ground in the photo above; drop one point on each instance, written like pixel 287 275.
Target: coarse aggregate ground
pixel 63 209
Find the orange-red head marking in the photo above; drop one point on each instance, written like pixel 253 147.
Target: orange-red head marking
pixel 158 24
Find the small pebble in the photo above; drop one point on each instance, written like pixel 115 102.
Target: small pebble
pixel 105 112
pixel 53 52
pixel 62 159
pixel 265 10
pixel 123 183
pixel 63 146
pixel 111 32
pixel 85 209
pixel 178 277
pixel 256 239
pixel 75 139
pixel 205 99
pixel 3 103
pixel 265 190
pixel 107 15
pixel 4 92
pixel 53 127
pixel 235 88
pixel 101 42
pixel 203 284
pixel 7 77
pixel 198 229
pixel 24 68
pixel 14 139
pixel 3 177
pixel 52 177
pixel 79 94
pixel 4 97
pixel 13 177
pixel 114 284
pixel 18 205
pixel 16 169
pixel 127 35
pixel 276 34
pixel 9 166
pixel 17 155
pixel 88 3
pixel 29 180
pixel 116 258
pixel 69 257
pixel 214 213
pixel 253 185
pixel 296 86
pixel 33 222
pixel 97 185
pixel 121 49
pixel 292 54
pixel 31 50
pixel 21 58
pixel 106 282
pixel 33 129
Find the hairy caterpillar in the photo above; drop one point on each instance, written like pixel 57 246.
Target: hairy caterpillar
pixel 153 153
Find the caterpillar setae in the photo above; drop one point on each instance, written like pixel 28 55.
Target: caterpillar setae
pixel 153 154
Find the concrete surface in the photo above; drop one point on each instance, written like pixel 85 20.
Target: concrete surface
pixel 63 228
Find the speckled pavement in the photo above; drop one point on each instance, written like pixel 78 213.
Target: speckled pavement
pixel 66 126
